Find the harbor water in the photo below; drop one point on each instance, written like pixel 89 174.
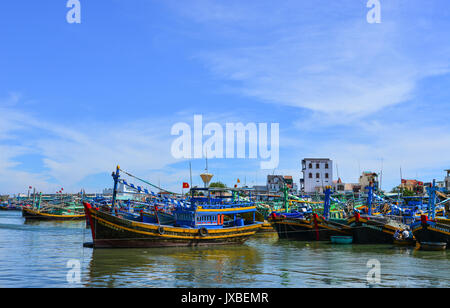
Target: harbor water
pixel 43 254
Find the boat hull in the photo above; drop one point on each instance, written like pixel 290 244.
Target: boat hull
pixel 432 232
pixel 267 228
pixel 2 208
pixel 367 231
pixel 307 229
pixel 35 215
pixel 109 231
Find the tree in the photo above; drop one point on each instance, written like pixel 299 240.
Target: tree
pixel 218 185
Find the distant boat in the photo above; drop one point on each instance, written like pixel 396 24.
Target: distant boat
pixel 29 213
pixel 54 209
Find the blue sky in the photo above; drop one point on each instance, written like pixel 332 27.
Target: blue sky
pixel 77 99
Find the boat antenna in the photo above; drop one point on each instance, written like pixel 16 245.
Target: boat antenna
pixel 190 172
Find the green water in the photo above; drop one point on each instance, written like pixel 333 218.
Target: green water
pixel 36 255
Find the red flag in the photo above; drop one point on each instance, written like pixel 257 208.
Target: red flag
pixel 29 187
pixel 185 185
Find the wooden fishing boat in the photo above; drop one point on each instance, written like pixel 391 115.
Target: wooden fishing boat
pixel 10 207
pixel 204 221
pixel 29 213
pixel 307 227
pixel 426 231
pixel 373 230
pixel 429 229
pixel 115 232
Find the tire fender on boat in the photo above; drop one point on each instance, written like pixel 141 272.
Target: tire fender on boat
pixel 203 232
pixel 161 230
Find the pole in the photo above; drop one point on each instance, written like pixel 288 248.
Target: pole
pixel 190 172
pixel 369 199
pixel 432 200
pixel 326 203
pixel 116 181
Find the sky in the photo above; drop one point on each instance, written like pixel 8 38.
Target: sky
pixel 78 99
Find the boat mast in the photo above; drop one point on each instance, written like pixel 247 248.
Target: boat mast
pixel 369 198
pixel 326 203
pixel 116 181
pixel 432 200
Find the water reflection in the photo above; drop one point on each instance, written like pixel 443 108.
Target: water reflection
pixel 35 254
pixel 163 267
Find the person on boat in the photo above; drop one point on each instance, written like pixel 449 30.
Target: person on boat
pixel 397 235
pixel 405 234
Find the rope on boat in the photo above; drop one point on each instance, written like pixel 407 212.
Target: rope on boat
pixel 148 183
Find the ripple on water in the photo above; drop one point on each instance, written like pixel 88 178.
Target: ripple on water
pixel 36 254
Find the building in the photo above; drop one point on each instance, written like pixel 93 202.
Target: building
pixel 275 183
pixel 368 177
pixel 342 187
pixel 317 173
pixel 413 185
pixel 107 191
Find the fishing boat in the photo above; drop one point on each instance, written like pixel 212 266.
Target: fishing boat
pixel 309 226
pixel 428 228
pixel 202 221
pixel 55 209
pixel 29 213
pixel 368 228
pixel 7 206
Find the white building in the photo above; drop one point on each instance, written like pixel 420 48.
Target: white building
pixel 317 173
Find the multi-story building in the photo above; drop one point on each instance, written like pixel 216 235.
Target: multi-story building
pixel 317 173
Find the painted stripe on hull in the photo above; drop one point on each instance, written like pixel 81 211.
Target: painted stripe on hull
pixel 30 214
pixel 110 231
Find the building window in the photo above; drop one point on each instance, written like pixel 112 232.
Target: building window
pixel 310 166
pixel 317 175
pixel 317 166
pixel 310 175
pixel 326 175
pixel 326 166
